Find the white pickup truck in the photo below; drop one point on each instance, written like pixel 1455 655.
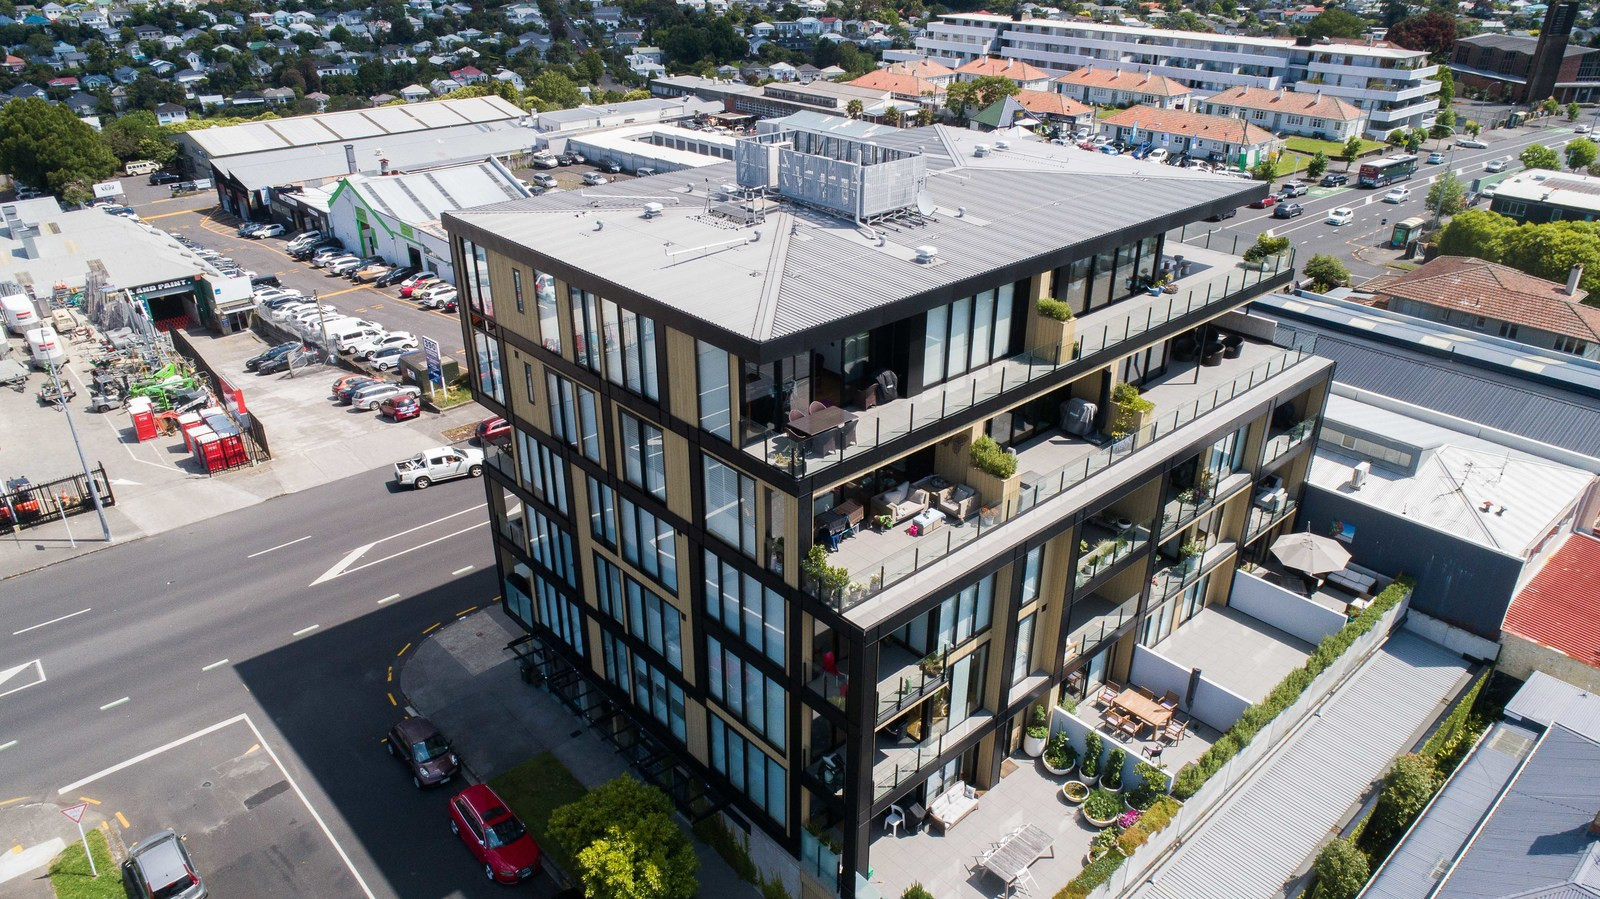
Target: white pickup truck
pixel 438 464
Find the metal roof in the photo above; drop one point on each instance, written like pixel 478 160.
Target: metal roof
pixel 71 244
pixel 1263 833
pixel 800 268
pixel 1415 866
pixel 1560 608
pixel 1537 836
pixel 315 163
pixel 1544 700
pixel 420 198
pixel 340 127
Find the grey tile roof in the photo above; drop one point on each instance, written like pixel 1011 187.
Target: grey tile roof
pixel 800 269
pixel 1263 833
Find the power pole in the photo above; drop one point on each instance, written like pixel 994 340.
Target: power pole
pixel 94 489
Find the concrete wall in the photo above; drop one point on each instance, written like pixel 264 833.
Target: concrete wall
pixel 1292 614
pixel 1212 703
pixel 1458 582
pixel 1216 705
pixel 1452 638
pixel 1078 731
pixel 1520 657
pixel 1157 673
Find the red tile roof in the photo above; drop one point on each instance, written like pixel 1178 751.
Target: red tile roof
pixel 1190 124
pixel 920 68
pixel 897 84
pixel 1314 105
pixel 1132 82
pixel 1560 607
pixel 1050 103
pixel 1465 284
pixel 1015 69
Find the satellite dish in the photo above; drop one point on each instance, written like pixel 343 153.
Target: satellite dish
pixel 925 203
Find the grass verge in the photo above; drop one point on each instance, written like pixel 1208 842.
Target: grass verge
pixel 536 788
pixel 69 873
pixel 1333 149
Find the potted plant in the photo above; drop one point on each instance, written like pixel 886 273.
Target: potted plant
pixel 1153 784
pixel 1074 791
pixel 1266 247
pixel 1111 781
pixel 1033 739
pixel 1133 412
pixel 1103 842
pixel 1091 759
pixel 1128 818
pixel 1191 552
pixel 775 555
pixel 1059 756
pixel 1101 809
pixel 827 581
pixel 933 664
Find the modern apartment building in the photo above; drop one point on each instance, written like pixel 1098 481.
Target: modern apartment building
pixel 742 516
pixel 1390 85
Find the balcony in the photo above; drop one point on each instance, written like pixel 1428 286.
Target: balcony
pixel 1052 464
pixel 905 680
pixel 1106 544
pixel 1280 442
pixel 1169 582
pixel 1096 618
pixel 1260 520
pixel 901 760
pixel 1190 503
pixel 1214 282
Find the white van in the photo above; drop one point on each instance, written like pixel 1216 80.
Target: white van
pixel 347 336
pixel 20 314
pixel 142 167
pixel 46 348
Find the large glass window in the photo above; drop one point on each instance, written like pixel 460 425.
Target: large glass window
pixel 585 307
pixel 1024 659
pixel 967 614
pixel 544 289
pixel 751 771
pixel 652 691
pixel 642 461
pixel 746 691
pixel 544 472
pixel 655 622
pixel 716 413
pixel 480 295
pixel 614 342
pixel 559 614
pixel 574 418
pixel 608 584
pixel 602 512
pixel 491 380
pixel 649 543
pixel 742 605
pixel 730 505
pixel 1030 574
pixel 516 288
pixel 1072 284
pixel 969 333
pixel 550 545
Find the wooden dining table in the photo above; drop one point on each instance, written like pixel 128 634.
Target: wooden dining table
pixel 1143 707
pixel 1012 858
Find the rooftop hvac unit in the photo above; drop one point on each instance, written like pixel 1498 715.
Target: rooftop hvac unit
pixel 1358 475
pixel 926 254
pixel 651 210
pixel 980 150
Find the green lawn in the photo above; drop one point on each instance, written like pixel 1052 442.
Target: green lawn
pixel 1333 149
pixel 536 788
pixel 69 873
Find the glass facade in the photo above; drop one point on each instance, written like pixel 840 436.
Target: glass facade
pixel 730 505
pixel 711 368
pixel 649 544
pixel 642 461
pixel 741 604
pixel 967 334
pixel 761 778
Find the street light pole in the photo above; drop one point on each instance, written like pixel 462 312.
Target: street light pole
pixel 94 490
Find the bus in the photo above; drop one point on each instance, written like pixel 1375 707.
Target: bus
pixel 1388 170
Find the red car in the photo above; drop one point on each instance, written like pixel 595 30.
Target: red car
pixel 493 430
pixel 401 407
pixel 1264 202
pixel 493 835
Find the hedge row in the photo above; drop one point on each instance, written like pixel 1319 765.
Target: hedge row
pixel 1153 821
pixel 1194 775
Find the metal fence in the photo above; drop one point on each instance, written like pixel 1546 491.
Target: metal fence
pixel 227 395
pixel 26 505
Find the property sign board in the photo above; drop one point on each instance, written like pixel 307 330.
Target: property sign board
pixel 107 189
pixel 430 352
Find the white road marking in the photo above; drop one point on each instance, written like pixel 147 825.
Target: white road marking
pixel 343 566
pixel 79 784
pixel 460 571
pixel 388 599
pixel 114 704
pixel 398 554
pixel 124 482
pixel 10 673
pixel 215 665
pixel 306 630
pixel 279 546
pixel 51 621
pixel 5 746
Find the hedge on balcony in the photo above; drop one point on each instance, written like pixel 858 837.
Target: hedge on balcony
pixel 1100 870
pixel 989 458
pixel 1194 775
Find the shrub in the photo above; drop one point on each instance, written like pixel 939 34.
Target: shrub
pixel 1125 394
pixel 1151 822
pixel 1340 871
pixel 1194 775
pixel 1102 806
pixel 1096 873
pixel 1326 271
pixel 1406 789
pixel 1454 727
pixel 1060 753
pixel 1153 783
pixel 1091 755
pixel 989 458
pixel 626 843
pixel 716 834
pixel 916 891
pixel 828 579
pixel 1266 246
pixel 1114 763
pixel 1038 723
pixel 1050 307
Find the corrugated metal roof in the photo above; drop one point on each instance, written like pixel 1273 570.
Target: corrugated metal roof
pixel 1264 832
pixel 1422 858
pixel 1537 836
pixel 410 150
pixel 299 131
pixel 1560 607
pixel 814 268
pixel 1544 700
pixel 418 198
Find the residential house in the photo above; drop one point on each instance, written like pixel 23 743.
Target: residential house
pixel 622 40
pixel 189 77
pixel 320 99
pixel 442 86
pixel 1029 108
pixel 382 99
pixel 171 114
pixel 1545 196
pixel 1495 299
pixel 469 75
pixel 782 71
pixel 248 99
pixel 211 102
pixel 27 92
pixel 506 76
pixel 1290 112
pixel 522 14
pixel 161 68
pixel 414 93
pixel 1026 76
pixel 66 82
pixel 278 96
pixel 1550 626
pixel 1115 87
pixel 1238 144
pixel 16 64
pixel 902 86
pixel 83 104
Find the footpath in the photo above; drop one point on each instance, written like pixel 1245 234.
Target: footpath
pixel 464 679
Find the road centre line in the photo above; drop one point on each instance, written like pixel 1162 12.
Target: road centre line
pixel 279 546
pixel 215 665
pixel 389 599
pixel 306 630
pixel 51 621
pixel 112 705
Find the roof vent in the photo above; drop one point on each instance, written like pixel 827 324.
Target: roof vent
pixel 980 150
pixel 926 254
pixel 651 210
pixel 1002 145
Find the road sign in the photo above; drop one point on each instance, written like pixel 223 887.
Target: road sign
pixel 76 812
pixel 107 189
pixel 430 352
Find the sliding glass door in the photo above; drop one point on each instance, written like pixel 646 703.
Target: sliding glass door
pixel 968 334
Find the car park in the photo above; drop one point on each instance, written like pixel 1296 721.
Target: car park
pixel 394 276
pixel 159 867
pixel 1341 216
pixel 388 358
pixel 565 159
pixel 1472 143
pixel 271 230
pixel 373 272
pixel 611 167
pixel 595 179
pixel 494 836
pixel 1288 210
pixel 373 395
pixel 342 265
pixel 401 408
pixel 1264 202
pixel 348 339
pixel 1435 158
pixel 1398 195
pixel 324 258
pixel 436 296
pixel 299 356
pixel 544 161
pixel 249 228
pixel 1333 179
pixel 256 361
pixel 438 464
pixel 347 386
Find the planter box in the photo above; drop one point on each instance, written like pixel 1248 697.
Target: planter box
pixel 1134 422
pixel 1057 340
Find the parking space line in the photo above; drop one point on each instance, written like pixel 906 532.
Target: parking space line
pixel 279 546
pixel 389 678
pixel 466 611
pixel 3 748
pixel 51 621
pixel 123 820
pixel 12 801
pixel 391 700
pixel 340 293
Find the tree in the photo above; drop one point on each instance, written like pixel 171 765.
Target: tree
pixel 1581 154
pixel 891 116
pixel 980 93
pixel 47 146
pixel 1476 232
pixel 1472 128
pixel 1265 170
pixel 1352 150
pixel 1445 196
pixel 853 109
pixel 1538 156
pixel 1406 789
pixel 1549 106
pixel 1336 23
pixel 1395 138
pixel 1550 250
pixel 1414 139
pixel 1447 86
pixel 1317 166
pixel 1326 272
pixel 924 116
pixel 1572 112
pixel 1341 870
pixel 626 843
pixel 1433 32
pixel 137 136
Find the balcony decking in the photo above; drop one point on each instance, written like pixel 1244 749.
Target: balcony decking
pixel 1236 651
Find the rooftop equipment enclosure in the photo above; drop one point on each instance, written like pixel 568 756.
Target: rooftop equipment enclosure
pixel 853 178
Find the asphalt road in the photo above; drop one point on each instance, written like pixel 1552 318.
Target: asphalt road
pixel 1357 243
pixel 276 627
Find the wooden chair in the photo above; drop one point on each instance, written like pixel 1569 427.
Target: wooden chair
pixel 1153 752
pixel 1114 719
pixel 1108 692
pixel 1174 731
pixel 1145 692
pixel 1131 726
pixel 1170 701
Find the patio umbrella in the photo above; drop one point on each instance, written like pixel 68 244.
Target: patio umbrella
pixel 1311 553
